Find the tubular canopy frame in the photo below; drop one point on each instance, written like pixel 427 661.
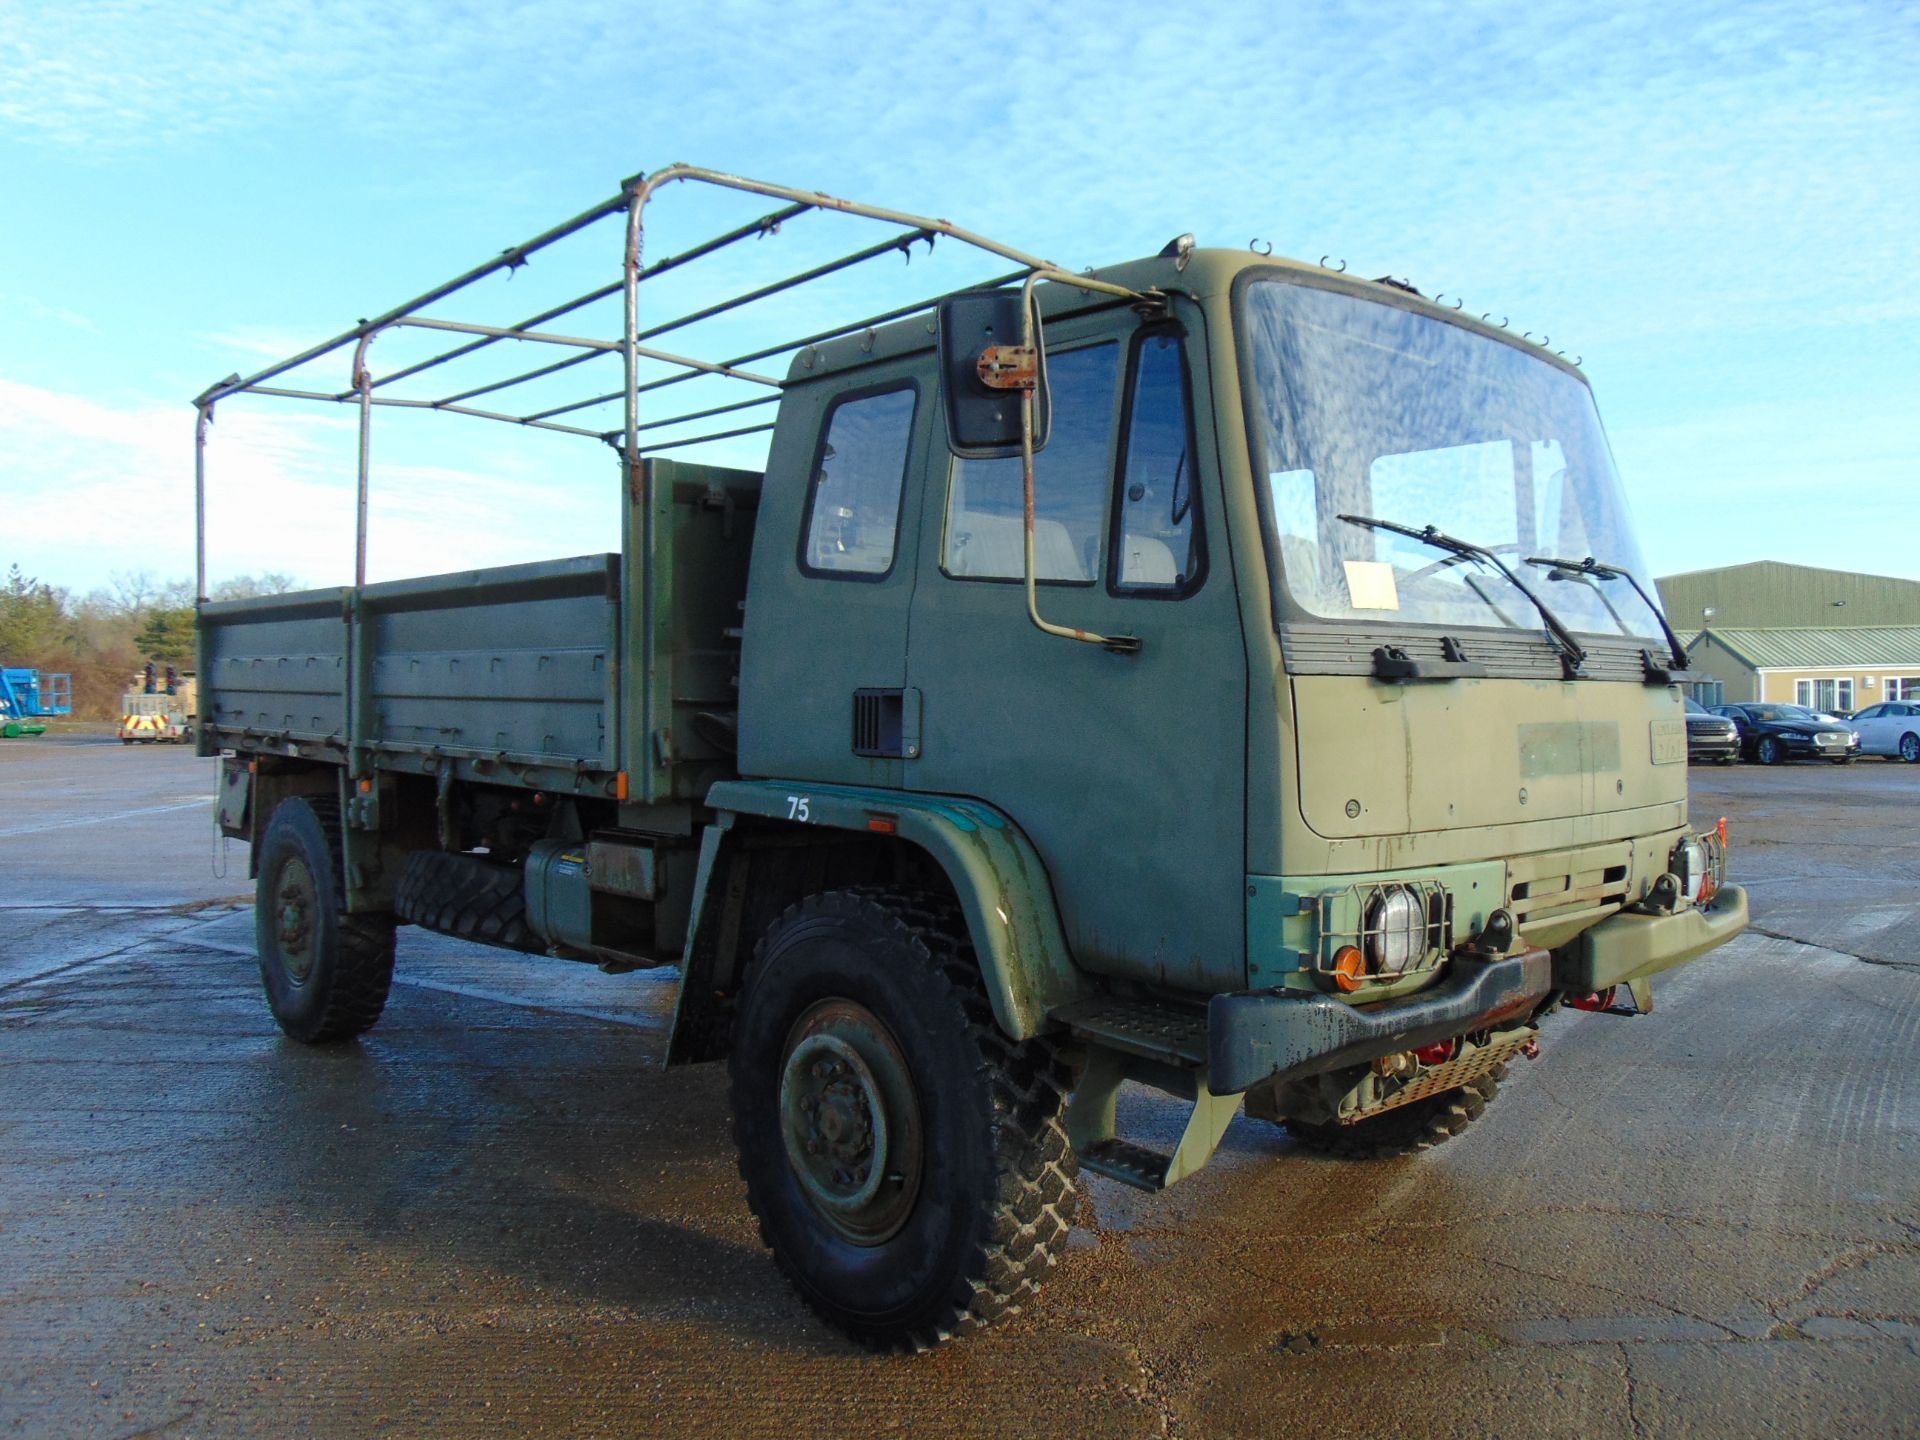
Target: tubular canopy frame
pixel 365 389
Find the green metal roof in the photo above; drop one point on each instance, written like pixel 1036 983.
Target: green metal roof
pixel 1808 648
pixel 1765 594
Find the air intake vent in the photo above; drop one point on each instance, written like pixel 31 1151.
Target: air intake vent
pixel 886 724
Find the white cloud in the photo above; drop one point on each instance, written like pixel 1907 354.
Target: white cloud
pixel 89 487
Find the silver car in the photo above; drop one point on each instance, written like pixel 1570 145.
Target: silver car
pixel 1892 728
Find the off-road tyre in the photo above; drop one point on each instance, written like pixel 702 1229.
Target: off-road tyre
pixel 466 896
pixel 993 1195
pixel 1407 1130
pixel 326 973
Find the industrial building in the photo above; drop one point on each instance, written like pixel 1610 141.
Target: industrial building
pixel 1827 639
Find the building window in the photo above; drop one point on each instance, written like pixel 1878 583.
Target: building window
pixel 854 519
pixel 1709 692
pixel 1832 696
pixel 1903 687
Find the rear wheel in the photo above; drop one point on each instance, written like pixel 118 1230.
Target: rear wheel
pixel 1769 751
pixel 1910 748
pixel 908 1164
pixel 326 973
pixel 1407 1129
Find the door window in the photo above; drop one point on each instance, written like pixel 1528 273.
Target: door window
pixel 1157 538
pixel 853 519
pixel 986 503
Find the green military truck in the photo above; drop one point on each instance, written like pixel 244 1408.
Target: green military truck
pixel 1211 672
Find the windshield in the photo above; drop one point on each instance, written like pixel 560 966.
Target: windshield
pixel 1783 712
pixel 1364 408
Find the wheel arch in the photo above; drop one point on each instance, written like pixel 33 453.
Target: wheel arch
pixel 974 852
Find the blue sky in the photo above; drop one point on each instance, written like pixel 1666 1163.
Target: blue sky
pixel 1715 206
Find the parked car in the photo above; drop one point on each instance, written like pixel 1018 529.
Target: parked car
pixel 1710 736
pixel 1772 733
pixel 1890 729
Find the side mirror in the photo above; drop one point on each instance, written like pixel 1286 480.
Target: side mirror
pixel 985 373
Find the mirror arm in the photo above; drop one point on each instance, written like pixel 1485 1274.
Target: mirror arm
pixel 1029 338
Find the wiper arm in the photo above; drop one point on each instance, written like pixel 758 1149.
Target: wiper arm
pixel 1595 568
pixel 1572 655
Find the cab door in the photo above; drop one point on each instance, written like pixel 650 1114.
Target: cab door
pixel 1127 771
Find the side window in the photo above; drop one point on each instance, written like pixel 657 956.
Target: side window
pixel 1157 540
pixel 986 505
pixel 853 519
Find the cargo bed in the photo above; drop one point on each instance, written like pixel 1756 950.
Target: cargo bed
pixel 526 675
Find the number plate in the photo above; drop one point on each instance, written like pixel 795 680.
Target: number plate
pixel 1669 742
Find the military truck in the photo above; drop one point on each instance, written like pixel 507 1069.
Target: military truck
pixel 1211 672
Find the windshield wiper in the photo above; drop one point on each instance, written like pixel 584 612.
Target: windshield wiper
pixel 1572 655
pixel 1599 571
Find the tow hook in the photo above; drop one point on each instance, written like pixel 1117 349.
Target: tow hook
pixel 1531 1049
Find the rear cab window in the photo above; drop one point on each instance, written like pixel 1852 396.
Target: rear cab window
pixel 859 469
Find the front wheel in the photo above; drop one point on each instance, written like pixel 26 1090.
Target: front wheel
pixel 1770 751
pixel 907 1163
pixel 326 973
pixel 1910 748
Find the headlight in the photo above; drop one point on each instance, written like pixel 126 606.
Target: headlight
pixel 1690 864
pixel 1396 931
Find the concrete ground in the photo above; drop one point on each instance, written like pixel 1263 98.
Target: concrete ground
pixel 498 1215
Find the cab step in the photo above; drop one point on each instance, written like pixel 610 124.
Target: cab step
pixel 1154 1030
pixel 1157 1043
pixel 1130 1164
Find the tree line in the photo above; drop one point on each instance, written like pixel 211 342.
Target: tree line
pixel 108 635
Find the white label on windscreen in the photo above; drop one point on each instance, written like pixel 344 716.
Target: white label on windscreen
pixel 1370 585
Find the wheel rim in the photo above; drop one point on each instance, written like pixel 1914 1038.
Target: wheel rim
pixel 1910 748
pixel 295 901
pixel 850 1121
pixel 1769 751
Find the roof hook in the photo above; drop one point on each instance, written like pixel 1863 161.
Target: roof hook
pixel 515 257
pixel 1487 315
pixel 1260 247
pixel 1339 269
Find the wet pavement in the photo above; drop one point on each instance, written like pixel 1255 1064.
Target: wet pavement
pixel 499 1214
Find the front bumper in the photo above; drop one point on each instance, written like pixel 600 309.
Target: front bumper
pixel 1803 747
pixel 1712 747
pixel 1627 946
pixel 1286 1034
